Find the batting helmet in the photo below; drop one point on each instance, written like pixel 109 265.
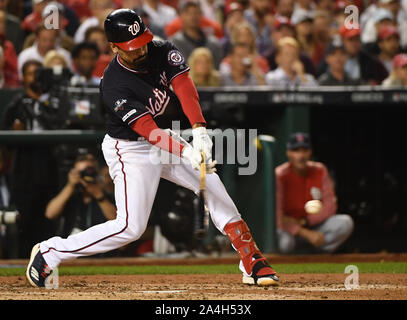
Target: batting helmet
pixel 126 30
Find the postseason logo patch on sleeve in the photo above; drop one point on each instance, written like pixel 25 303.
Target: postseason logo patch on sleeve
pixel 175 58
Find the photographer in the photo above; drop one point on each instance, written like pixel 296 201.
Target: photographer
pixel 33 109
pixel 82 202
pixel 33 167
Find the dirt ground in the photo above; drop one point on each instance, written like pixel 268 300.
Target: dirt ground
pixel 208 287
pixel 212 287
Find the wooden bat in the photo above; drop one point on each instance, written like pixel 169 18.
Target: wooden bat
pixel 201 214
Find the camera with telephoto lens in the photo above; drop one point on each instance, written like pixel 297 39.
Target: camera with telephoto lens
pixel 9 216
pixel 89 174
pixel 51 79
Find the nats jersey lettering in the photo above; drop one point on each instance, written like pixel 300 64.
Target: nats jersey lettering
pixel 128 95
pixel 158 107
pixel 163 79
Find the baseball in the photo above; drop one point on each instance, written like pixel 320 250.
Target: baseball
pixel 313 206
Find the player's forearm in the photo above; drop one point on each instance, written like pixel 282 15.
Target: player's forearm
pixel 147 128
pixel 186 92
pixel 303 232
pixel 57 204
pixel 287 221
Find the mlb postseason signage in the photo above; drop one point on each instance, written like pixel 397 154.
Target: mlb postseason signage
pixel 328 96
pixel 362 96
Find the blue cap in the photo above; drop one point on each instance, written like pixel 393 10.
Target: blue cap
pixel 298 140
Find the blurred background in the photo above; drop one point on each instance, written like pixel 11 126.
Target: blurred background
pixel 335 70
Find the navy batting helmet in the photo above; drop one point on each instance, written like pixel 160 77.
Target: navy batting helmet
pixel 126 30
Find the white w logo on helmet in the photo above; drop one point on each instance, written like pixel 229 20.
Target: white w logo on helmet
pixel 135 28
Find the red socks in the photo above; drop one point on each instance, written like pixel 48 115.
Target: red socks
pixel 253 261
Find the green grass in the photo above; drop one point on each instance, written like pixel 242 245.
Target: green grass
pixel 365 267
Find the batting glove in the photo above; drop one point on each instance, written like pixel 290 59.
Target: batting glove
pixel 195 158
pixel 202 142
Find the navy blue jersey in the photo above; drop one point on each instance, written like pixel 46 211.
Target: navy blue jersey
pixel 128 95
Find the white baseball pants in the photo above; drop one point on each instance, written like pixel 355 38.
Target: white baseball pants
pixel 136 169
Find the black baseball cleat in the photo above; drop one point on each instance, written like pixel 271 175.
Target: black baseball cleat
pixel 37 269
pixel 262 273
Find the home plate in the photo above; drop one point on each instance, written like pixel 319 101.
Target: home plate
pixel 162 291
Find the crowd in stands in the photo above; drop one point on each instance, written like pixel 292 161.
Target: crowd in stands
pixel 227 43
pixel 275 43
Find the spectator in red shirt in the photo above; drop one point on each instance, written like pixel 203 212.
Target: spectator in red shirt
pixel 9 57
pixel 68 19
pixel 10 65
pixel 34 19
pixel 298 181
pixel 81 8
pixel 1 68
pixel 13 29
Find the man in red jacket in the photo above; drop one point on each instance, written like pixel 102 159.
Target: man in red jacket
pixel 299 221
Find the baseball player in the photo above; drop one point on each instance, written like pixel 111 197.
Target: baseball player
pixel 141 88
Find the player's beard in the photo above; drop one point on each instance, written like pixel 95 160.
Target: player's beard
pixel 141 63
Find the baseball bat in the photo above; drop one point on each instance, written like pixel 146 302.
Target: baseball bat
pixel 201 213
